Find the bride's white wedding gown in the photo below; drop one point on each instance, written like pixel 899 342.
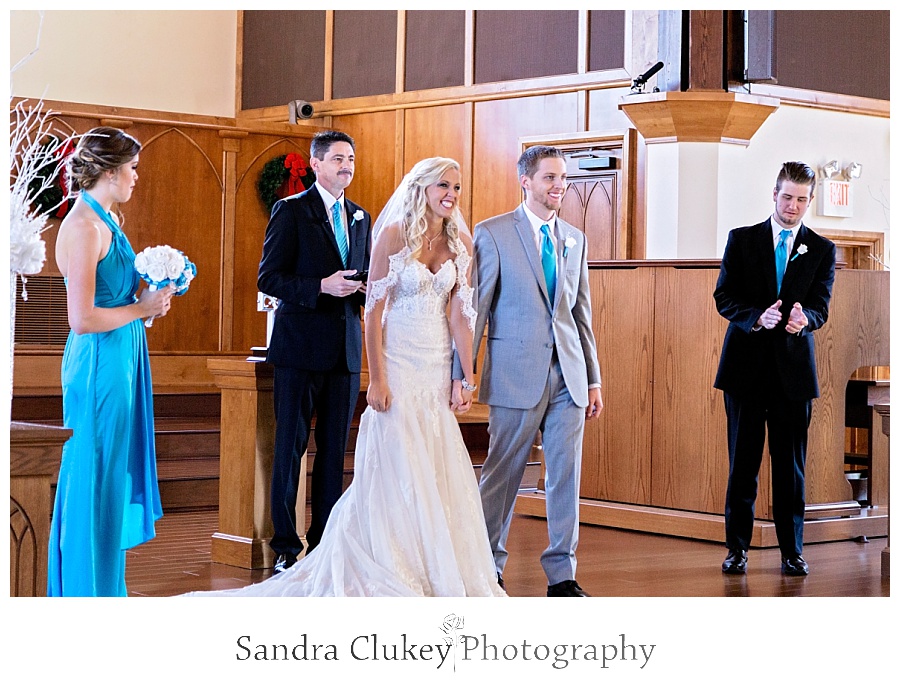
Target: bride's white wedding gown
pixel 411 522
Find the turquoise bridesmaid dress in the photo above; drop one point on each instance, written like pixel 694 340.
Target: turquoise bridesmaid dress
pixel 107 497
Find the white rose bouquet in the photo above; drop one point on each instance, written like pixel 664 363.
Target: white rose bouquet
pixel 161 266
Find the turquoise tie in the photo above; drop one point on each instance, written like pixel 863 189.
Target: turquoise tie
pixel 781 257
pixel 548 261
pixel 339 232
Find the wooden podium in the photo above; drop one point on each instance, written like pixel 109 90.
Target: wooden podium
pixel 245 464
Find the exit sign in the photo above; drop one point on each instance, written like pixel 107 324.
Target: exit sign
pixel 835 198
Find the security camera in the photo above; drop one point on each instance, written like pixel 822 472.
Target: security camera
pixel 299 109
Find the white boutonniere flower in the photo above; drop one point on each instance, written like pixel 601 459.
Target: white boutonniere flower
pixel 358 215
pixel 801 249
pixel 570 242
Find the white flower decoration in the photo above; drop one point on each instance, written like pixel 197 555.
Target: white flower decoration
pixel 570 242
pixel 801 249
pixel 358 215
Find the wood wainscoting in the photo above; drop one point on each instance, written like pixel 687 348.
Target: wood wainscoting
pixel 657 458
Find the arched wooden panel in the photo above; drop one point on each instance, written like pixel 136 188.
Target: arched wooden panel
pixel 592 206
pixel 251 218
pixel 179 203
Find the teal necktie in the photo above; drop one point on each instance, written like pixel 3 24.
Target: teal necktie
pixel 339 232
pixel 781 257
pixel 548 261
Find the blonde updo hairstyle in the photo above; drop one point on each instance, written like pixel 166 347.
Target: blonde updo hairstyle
pixel 98 151
pixel 423 174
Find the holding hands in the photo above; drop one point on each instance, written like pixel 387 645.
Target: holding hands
pixel 460 399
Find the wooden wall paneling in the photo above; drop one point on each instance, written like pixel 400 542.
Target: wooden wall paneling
pixel 230 147
pixel 690 451
pixel 375 136
pixel 706 45
pixel 617 446
pixel 856 335
pixel 444 131
pixel 328 84
pixel 180 204
pixel 250 219
pixel 499 125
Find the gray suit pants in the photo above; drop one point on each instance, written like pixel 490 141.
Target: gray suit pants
pixel 512 434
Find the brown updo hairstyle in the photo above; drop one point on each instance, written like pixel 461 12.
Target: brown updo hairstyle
pixel 99 150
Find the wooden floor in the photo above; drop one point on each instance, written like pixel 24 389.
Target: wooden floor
pixel 611 563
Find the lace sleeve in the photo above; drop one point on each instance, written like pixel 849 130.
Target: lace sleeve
pixel 464 292
pixel 388 256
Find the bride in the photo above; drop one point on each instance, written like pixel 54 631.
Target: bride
pixel 411 522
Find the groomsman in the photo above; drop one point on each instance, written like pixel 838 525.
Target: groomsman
pixel 774 289
pixel 314 240
pixel 540 367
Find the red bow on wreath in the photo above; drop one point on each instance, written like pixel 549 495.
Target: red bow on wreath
pixel 63 181
pixel 298 170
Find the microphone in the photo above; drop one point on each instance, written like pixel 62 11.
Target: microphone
pixel 642 78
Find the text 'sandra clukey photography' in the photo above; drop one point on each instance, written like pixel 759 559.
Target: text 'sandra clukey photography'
pixel 453 649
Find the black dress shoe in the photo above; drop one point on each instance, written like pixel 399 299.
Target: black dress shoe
pixel 735 562
pixel 794 566
pixel 567 588
pixel 283 562
pixel 501 583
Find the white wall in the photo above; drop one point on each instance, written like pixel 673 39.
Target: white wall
pixel 697 192
pixel 175 61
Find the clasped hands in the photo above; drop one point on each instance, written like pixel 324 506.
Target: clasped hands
pixel 770 317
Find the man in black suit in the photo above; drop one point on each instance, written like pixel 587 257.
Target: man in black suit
pixel 774 289
pixel 314 241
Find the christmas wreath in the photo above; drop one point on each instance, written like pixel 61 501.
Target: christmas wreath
pixel 283 176
pixel 55 197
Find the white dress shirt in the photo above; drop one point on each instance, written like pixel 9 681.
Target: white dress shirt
pixel 329 202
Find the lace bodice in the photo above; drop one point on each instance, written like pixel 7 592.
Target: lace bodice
pixel 411 288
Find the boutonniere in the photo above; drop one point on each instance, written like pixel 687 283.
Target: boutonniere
pixel 801 249
pixel 358 215
pixel 570 242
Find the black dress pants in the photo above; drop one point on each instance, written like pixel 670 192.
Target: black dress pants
pixel 787 422
pixel 298 394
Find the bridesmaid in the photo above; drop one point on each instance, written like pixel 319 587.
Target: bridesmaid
pixel 107 498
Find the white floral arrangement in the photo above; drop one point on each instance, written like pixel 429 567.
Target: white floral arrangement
pixel 161 266
pixel 29 161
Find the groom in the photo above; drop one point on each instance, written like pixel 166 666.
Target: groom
pixel 540 367
pixel 313 241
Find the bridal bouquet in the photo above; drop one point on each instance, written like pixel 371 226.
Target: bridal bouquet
pixel 161 266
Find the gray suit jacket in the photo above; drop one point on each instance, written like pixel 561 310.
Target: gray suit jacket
pixel 523 326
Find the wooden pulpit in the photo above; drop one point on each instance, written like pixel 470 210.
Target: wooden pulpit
pixel 245 464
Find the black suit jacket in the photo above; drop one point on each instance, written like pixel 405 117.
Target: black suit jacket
pixel 746 287
pixel 312 331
